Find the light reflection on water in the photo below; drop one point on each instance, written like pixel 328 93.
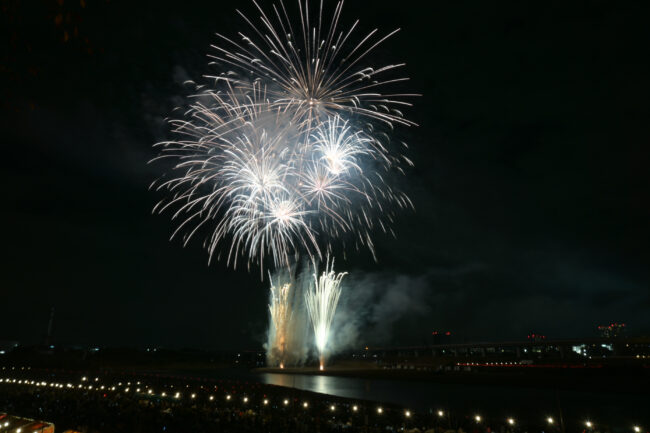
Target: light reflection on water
pixel 464 398
pixel 339 386
pixel 409 393
pixel 321 385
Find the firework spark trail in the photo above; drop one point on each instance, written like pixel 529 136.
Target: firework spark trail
pixel 281 312
pixel 289 328
pixel 289 151
pixel 316 76
pixel 321 299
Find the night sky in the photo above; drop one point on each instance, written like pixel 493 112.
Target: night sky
pixel 531 180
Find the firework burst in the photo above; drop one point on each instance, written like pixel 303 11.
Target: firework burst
pixel 318 69
pixel 288 151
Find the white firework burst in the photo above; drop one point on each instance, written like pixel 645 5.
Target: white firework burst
pixel 289 150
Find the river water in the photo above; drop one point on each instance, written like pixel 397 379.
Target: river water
pixel 506 401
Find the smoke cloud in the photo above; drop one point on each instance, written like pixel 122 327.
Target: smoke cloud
pixel 373 303
pixel 369 309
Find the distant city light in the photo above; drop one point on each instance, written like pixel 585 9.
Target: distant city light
pixel 355 408
pixel 211 397
pixel 380 410
pixel 589 424
pixel 550 420
pixel 266 402
pixel 245 399
pixel 511 421
pixel 637 429
pixel 441 413
pixel 407 413
pixel 193 396
pixel 286 402
pixel 305 404
pixel 228 397
pixel 332 408
pixel 477 418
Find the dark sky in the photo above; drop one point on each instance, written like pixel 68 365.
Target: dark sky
pixel 531 181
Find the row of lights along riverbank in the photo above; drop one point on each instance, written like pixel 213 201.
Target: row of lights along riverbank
pixel 126 388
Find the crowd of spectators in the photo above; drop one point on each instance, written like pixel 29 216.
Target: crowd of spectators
pixel 155 403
